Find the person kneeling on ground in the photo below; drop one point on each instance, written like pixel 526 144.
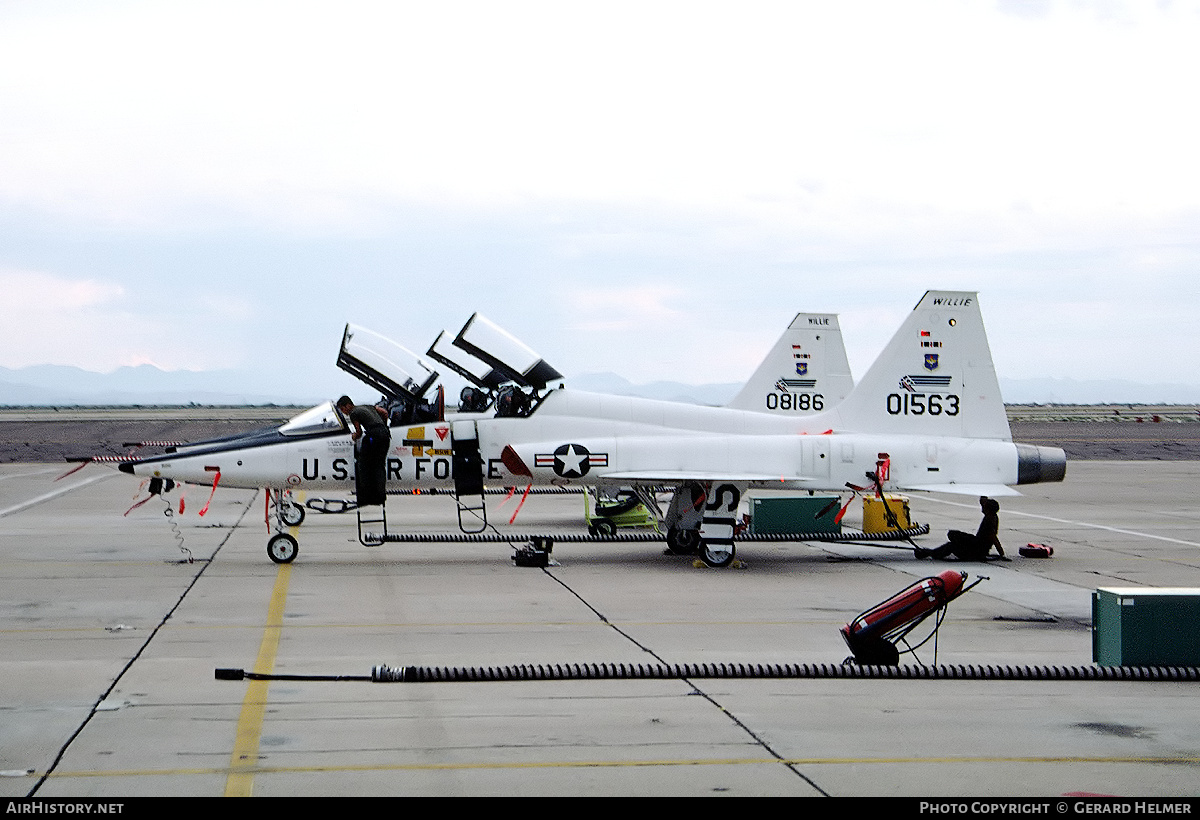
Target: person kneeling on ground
pixel 967 547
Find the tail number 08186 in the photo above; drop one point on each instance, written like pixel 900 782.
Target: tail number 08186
pixel 795 401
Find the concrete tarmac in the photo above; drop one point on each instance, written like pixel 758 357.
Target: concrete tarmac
pixel 110 637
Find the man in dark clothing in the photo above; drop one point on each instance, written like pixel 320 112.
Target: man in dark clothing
pixel 370 461
pixel 967 547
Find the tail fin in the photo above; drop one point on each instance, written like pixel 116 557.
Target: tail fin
pixel 805 372
pixel 934 378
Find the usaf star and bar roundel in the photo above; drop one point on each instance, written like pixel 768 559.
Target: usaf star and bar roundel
pixel 571 460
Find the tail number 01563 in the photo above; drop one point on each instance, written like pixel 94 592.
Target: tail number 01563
pixel 795 401
pixel 919 404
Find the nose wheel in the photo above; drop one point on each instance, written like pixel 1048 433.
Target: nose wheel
pixel 282 548
pixel 291 513
pixel 288 511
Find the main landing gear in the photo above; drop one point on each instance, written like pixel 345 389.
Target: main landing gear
pixel 682 542
pixel 717 555
pixel 701 521
pixel 689 542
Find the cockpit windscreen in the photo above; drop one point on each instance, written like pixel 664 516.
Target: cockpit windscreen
pixel 324 418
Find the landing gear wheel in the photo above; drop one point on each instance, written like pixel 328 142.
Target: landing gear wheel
pixel 282 548
pixel 717 555
pixel 682 542
pixel 291 513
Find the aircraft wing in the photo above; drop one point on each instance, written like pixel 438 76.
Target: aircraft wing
pixel 990 490
pixel 684 476
pixel 680 476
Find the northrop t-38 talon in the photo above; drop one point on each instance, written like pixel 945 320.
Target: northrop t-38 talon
pixel 927 416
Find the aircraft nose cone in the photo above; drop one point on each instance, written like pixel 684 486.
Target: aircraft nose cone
pixel 125 467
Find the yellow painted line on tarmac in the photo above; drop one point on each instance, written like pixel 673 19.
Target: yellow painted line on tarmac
pixel 633 764
pixel 244 762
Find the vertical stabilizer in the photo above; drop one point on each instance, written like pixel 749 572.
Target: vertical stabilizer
pixel 805 372
pixel 934 378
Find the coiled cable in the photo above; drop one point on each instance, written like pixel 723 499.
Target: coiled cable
pixel 621 671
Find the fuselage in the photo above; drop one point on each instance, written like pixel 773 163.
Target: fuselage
pixel 576 438
pixel 319 453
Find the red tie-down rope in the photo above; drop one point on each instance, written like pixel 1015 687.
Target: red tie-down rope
pixel 837 519
pixel 135 495
pixel 521 503
pixel 217 479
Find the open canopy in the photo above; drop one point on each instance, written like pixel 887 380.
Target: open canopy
pixel 391 369
pixel 474 370
pixel 490 343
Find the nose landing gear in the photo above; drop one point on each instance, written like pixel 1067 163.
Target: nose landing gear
pixel 282 548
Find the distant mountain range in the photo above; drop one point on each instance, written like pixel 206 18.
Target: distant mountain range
pixel 1109 391
pixel 50 385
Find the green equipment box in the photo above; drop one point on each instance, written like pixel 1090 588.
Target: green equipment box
pixel 778 515
pixel 1146 626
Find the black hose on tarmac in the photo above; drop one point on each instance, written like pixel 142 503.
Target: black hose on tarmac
pixel 640 536
pixel 621 671
pixel 610 671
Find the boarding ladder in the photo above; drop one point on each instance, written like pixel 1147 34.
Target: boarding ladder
pixel 367 536
pixel 468 478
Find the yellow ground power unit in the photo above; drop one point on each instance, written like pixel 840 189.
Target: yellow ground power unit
pixel 875 513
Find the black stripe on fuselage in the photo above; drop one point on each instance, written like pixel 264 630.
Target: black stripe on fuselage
pixel 230 445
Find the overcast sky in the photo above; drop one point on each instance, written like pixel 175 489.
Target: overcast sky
pixel 651 188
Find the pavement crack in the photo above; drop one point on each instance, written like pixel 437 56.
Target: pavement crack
pixel 696 690
pixel 99 705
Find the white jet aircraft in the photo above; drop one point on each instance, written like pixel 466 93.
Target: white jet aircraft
pixel 928 416
pixel 805 371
